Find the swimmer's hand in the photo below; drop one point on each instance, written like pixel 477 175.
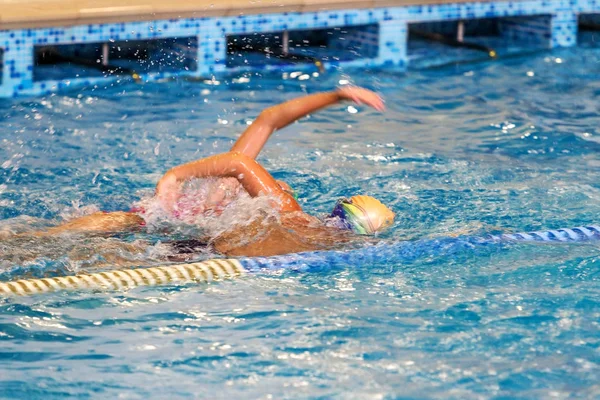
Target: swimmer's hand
pixel 167 191
pixel 361 96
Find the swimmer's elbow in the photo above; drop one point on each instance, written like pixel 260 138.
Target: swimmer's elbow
pixel 239 163
pixel 268 118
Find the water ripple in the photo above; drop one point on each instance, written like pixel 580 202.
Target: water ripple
pixel 494 147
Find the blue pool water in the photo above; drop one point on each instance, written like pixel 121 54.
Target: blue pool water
pixel 502 146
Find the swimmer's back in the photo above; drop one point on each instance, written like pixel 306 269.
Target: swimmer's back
pixel 293 233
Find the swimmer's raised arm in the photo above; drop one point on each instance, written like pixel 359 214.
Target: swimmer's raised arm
pixel 238 162
pixel 251 175
pixel 277 117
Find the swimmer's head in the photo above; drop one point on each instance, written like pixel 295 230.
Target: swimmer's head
pixel 364 215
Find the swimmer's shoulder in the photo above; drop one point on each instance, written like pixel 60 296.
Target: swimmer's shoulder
pixel 290 233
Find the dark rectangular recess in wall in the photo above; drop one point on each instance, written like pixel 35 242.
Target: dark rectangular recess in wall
pixel 304 46
pixel 125 57
pixel 446 42
pixel 588 30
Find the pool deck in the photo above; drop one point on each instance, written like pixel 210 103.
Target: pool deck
pixel 20 14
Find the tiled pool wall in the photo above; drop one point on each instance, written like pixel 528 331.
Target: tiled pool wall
pixel 376 36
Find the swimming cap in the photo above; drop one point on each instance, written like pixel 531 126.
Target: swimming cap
pixel 364 215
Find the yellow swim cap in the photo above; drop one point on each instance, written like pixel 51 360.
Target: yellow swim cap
pixel 363 214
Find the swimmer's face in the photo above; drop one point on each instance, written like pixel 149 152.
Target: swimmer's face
pixel 364 215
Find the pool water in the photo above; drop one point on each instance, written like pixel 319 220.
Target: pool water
pixel 504 146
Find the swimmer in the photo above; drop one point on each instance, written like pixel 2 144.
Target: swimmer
pixel 293 230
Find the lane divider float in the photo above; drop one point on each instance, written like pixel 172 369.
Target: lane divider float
pixel 220 269
pixel 202 272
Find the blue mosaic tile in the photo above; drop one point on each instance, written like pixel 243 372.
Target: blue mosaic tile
pixel 552 21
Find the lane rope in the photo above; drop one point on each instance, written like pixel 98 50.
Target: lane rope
pixel 201 272
pixel 220 269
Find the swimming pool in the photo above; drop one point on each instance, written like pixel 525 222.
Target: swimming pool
pixel 492 147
